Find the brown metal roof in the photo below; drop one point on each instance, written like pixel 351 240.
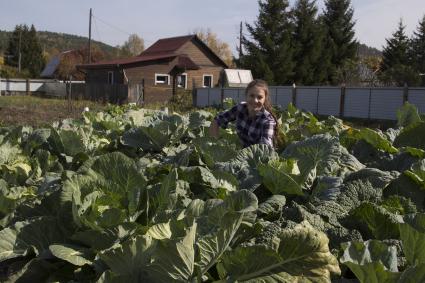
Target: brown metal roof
pixel 125 61
pixel 162 49
pixel 167 45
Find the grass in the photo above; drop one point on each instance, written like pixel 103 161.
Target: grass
pixel 36 111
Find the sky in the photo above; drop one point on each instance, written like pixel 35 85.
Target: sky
pixel 114 21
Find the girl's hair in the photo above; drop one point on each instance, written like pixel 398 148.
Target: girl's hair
pixel 267 104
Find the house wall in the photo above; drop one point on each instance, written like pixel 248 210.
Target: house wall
pixel 196 76
pixel 101 76
pixel 198 54
pixel 147 70
pixel 208 63
pixel 160 93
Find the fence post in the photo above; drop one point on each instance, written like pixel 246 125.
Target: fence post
pixel 275 96
pixel 370 100
pixel 194 94
pixel 317 100
pixel 27 87
pixel 294 95
pixel 222 96
pixel 405 93
pixel 342 101
pixel 141 94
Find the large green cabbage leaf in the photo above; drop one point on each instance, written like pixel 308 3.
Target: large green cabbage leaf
pixel 302 253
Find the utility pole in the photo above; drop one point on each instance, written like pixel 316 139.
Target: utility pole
pixel 19 51
pixel 240 42
pixel 89 59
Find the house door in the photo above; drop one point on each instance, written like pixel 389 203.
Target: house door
pixel 136 93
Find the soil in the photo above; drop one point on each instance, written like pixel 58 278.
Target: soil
pixel 13 116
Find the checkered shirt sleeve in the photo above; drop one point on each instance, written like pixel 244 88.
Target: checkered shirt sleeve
pixel 225 117
pixel 267 131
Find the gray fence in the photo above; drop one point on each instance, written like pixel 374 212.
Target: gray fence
pixel 355 102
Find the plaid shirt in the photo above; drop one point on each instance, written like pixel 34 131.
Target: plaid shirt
pixel 259 129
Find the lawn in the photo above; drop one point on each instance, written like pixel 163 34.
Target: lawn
pixel 36 111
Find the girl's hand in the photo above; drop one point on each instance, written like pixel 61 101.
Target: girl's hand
pixel 214 129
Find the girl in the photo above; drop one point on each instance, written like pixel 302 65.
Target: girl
pixel 255 122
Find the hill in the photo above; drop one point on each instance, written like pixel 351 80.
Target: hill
pixel 367 51
pixel 54 43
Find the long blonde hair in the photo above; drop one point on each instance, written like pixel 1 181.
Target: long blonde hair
pixel 267 104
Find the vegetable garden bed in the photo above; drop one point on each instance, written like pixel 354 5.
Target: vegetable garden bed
pixel 136 195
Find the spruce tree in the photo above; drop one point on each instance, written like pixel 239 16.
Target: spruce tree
pixel 308 38
pixel 25 41
pixel 33 59
pixel 395 66
pixel 339 40
pixel 396 50
pixel 417 50
pixel 15 44
pixel 269 53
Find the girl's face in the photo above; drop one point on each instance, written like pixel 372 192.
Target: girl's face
pixel 255 98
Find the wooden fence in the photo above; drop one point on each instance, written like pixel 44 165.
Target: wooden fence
pixel 115 93
pixel 355 102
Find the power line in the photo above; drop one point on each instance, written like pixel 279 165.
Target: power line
pixel 112 26
pixel 97 30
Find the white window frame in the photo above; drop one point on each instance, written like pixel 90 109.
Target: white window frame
pixel 111 81
pixel 203 80
pixel 185 81
pixel 161 82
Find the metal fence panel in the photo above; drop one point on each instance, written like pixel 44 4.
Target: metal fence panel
pixel 36 86
pixel 283 96
pixel 202 97
pixel 54 89
pixel 329 101
pixel 237 94
pixel 14 85
pixel 417 97
pixel 356 102
pixel 307 99
pixel 215 96
pixel 273 95
pixel 384 103
pixel 359 102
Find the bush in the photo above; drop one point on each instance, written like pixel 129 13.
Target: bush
pixel 182 101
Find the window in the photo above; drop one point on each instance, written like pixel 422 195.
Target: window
pixel 162 79
pixel 207 81
pixel 182 81
pixel 110 77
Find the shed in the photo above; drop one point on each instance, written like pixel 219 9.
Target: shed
pixel 237 77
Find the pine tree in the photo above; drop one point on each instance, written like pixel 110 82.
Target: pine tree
pixel 308 37
pixel 395 66
pixel 270 52
pixel 417 50
pixel 340 43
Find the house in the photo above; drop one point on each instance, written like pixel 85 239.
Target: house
pixel 51 70
pixel 63 65
pixel 167 65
